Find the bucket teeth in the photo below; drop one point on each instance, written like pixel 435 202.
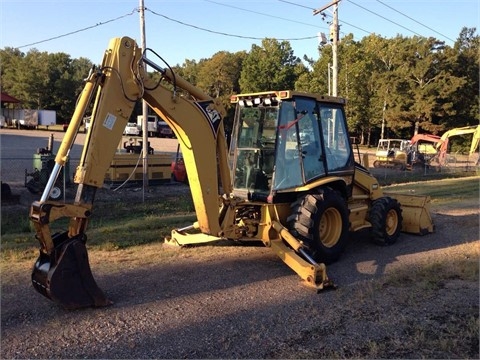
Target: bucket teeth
pixel 65 275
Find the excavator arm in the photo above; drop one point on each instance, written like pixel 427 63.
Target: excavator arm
pixel 62 272
pixel 442 144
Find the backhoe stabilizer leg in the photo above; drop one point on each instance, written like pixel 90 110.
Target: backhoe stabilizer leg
pixel 65 277
pixel 181 238
pixel 314 275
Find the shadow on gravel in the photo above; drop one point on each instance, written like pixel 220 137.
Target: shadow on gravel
pixel 364 260
pixel 134 286
pixel 240 303
pixel 242 264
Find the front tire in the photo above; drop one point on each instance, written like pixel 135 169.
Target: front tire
pixel 321 222
pixel 386 219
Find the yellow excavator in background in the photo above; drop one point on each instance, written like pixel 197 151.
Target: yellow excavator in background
pixel 442 144
pixel 289 179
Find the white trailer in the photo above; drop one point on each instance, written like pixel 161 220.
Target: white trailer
pixel 25 119
pixel 30 119
pixel 152 125
pixel 47 117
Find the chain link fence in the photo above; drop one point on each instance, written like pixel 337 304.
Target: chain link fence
pixel 17 170
pixel 455 165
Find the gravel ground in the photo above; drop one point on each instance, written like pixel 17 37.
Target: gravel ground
pixel 237 301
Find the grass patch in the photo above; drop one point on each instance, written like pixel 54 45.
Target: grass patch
pixel 117 224
pixel 441 191
pixel 17 222
pixel 113 225
pixel 405 177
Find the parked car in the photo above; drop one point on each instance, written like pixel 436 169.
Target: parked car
pixel 131 129
pixel 164 130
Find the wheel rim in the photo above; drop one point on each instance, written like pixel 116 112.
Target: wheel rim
pixel 391 223
pixel 56 192
pixel 330 227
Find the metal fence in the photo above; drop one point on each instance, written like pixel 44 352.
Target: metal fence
pixel 455 164
pixel 13 169
pixel 423 172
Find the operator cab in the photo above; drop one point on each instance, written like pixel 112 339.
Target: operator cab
pixel 283 141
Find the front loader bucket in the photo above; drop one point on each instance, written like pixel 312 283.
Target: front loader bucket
pixel 65 276
pixel 416 213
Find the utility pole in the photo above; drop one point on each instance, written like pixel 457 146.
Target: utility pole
pixel 144 105
pixel 334 39
pixel 329 77
pixel 382 134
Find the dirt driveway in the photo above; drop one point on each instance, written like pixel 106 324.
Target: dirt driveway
pixel 17 148
pixel 234 301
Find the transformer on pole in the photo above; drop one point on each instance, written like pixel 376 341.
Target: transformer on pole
pixel 334 40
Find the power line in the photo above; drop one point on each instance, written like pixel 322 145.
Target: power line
pixel 383 17
pixel 292 3
pixel 381 2
pixel 80 30
pixel 260 13
pixel 227 34
pixel 166 17
pixel 240 36
pixel 326 14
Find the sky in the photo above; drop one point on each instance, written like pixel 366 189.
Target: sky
pixel 197 29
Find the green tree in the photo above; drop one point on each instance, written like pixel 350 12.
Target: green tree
pixel 10 59
pixel 356 83
pixel 188 70
pixel 423 88
pixel 316 79
pixel 272 66
pixel 219 77
pixel 61 86
pixel 380 57
pixel 464 58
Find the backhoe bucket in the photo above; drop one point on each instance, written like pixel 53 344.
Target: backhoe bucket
pixel 64 276
pixel 415 213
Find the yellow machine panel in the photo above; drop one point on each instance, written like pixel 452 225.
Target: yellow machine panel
pixel 125 166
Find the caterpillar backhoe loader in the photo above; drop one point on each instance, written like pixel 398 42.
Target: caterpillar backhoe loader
pixel 289 179
pixel 392 153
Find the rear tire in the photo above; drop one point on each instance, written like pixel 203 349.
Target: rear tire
pixel 6 191
pixel 400 166
pixel 386 219
pixel 321 222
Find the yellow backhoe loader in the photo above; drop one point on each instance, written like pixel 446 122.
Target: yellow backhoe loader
pixel 289 179
pixel 392 153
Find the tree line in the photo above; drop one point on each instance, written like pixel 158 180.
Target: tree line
pixel 411 84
